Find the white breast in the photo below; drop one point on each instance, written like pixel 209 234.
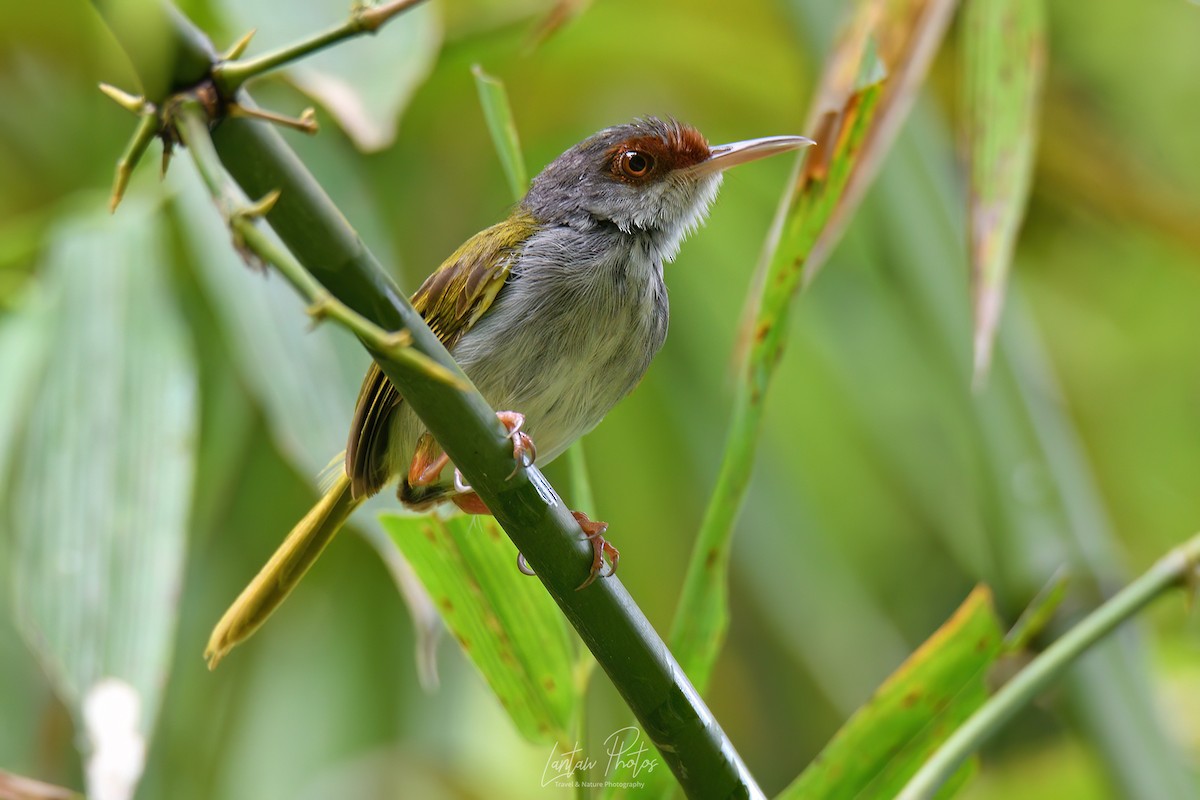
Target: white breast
pixel 572 332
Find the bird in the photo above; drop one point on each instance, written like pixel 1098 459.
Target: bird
pixel 554 314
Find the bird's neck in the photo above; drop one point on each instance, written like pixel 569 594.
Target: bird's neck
pixel 652 245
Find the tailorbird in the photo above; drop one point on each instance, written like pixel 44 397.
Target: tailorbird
pixel 554 313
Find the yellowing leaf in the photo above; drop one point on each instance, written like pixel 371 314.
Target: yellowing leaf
pixel 905 35
pixel 915 709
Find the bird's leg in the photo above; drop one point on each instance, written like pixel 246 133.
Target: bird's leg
pixel 427 463
pixel 594 532
pixel 429 460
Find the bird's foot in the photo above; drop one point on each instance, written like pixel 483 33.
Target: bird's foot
pixel 524 451
pixel 594 532
pixel 429 460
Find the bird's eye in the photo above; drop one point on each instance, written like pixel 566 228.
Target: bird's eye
pixel 636 164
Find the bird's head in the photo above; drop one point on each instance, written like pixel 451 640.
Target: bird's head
pixel 650 176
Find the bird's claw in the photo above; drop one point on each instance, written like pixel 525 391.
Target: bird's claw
pixel 594 532
pixel 524 451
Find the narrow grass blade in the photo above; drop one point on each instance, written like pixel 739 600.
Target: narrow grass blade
pixel 101 488
pixel 503 129
pixel 498 114
pixel 502 126
pixel 1004 63
pixel 559 16
pixel 506 623
pixel 885 742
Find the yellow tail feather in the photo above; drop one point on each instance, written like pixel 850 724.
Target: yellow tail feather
pixel 285 569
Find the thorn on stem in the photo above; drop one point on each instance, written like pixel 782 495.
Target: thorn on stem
pixel 120 182
pixel 371 18
pixel 396 341
pixel 305 123
pixel 147 129
pixel 319 310
pixel 167 151
pixel 134 104
pixel 262 207
pixel 237 232
pixel 308 118
pixel 239 46
pixel 244 216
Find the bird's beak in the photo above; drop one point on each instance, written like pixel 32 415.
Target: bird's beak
pixel 724 156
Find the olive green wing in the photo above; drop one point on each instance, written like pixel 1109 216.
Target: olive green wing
pixel 451 300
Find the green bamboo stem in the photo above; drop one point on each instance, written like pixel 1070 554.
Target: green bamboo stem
pixel 231 75
pixel 1177 568
pixel 610 624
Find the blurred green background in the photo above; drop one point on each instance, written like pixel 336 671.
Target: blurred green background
pixel 884 489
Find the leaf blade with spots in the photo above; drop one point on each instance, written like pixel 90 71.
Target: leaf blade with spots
pixel 915 709
pixel 1004 63
pixel 506 623
pixel 904 35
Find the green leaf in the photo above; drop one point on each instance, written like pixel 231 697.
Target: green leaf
pixel 502 127
pixel 365 84
pixel 1004 63
pixel 103 479
pixel 887 740
pixel 505 621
